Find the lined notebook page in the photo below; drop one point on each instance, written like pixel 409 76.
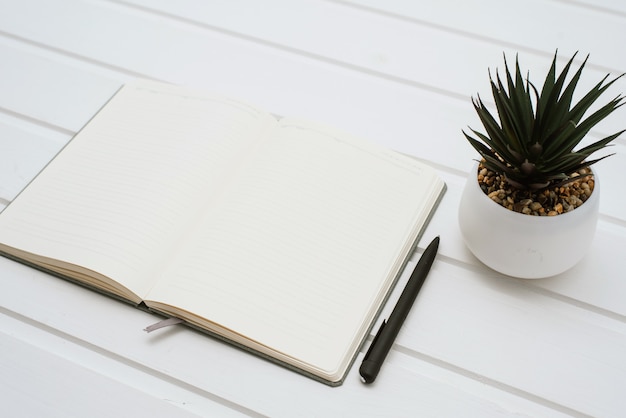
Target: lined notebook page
pixel 304 245
pixel 117 197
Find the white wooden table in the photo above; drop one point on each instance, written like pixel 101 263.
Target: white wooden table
pixel 399 72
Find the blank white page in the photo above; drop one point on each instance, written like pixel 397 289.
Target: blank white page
pixel 118 197
pixel 304 245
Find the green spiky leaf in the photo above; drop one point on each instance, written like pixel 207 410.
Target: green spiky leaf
pixel 532 140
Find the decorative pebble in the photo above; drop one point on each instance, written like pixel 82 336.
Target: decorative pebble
pixel 550 202
pixel 525 202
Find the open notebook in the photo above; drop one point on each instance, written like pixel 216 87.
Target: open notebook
pixel 284 237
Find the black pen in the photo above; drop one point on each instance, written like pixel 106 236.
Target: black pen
pixel 389 329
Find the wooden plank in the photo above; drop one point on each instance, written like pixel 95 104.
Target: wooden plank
pixel 24 85
pixel 505 331
pixel 379 43
pixel 611 7
pixel 610 169
pixel 243 63
pixel 23 155
pixel 420 122
pixel 218 371
pixel 596 281
pixel 37 383
pixel 329 91
pixel 565 25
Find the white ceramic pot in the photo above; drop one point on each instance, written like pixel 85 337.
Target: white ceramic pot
pixel 524 246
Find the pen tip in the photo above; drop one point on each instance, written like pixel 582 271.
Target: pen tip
pixel 434 244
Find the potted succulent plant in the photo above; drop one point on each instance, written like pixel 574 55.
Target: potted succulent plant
pixel 530 205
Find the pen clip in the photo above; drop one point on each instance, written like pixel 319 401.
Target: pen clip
pixel 373 344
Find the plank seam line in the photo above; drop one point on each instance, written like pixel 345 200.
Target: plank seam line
pixel 74 56
pixel 292 50
pixel 593 7
pixel 337 62
pixel 613 219
pixel 482 379
pixel 127 72
pixel 463 33
pixel 34 121
pixel 128 362
pixel 441 167
pixel 528 284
